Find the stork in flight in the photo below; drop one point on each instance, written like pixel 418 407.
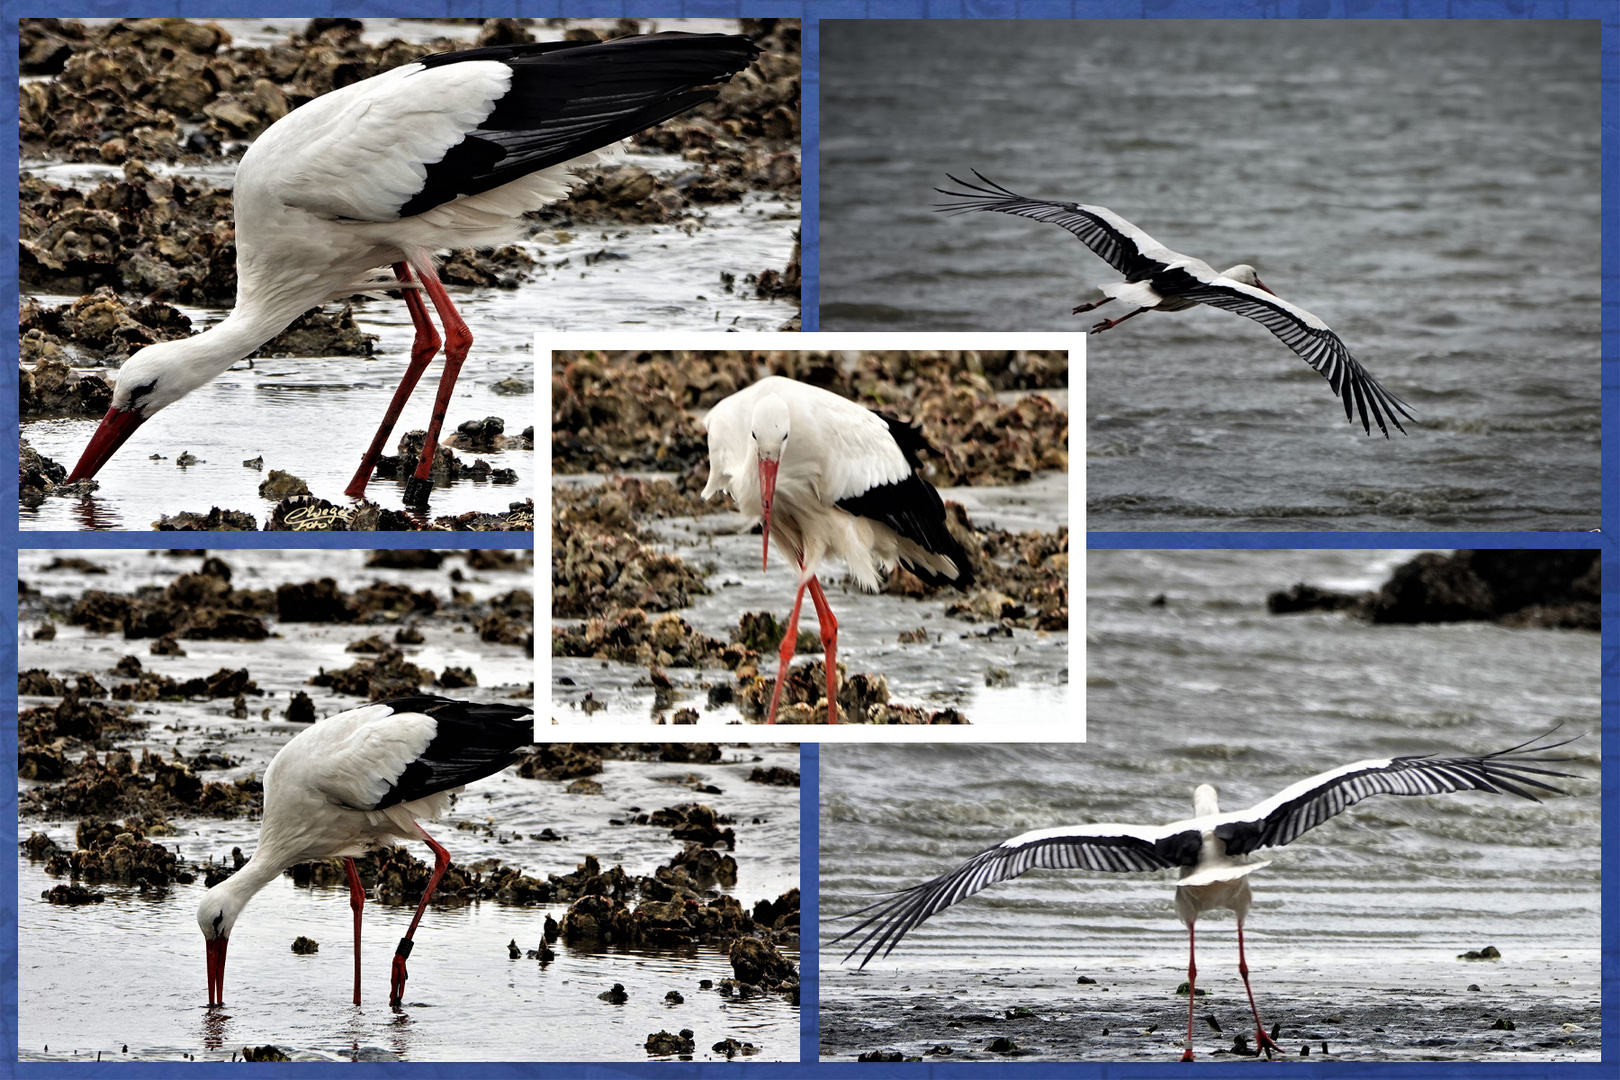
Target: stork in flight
pixel 829 477
pixel 1210 849
pixel 356 782
pixel 1158 279
pixel 447 151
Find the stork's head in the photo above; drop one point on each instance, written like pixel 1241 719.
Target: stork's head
pixel 215 916
pixel 769 429
pixel 1205 801
pixel 156 376
pixel 1248 275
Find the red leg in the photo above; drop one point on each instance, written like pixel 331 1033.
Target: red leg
pixel 1109 324
pixel 357 900
pixel 457 340
pixel 441 863
pixel 1090 306
pixel 422 350
pixel 829 646
pixel 790 641
pixel 1262 1041
pixel 1192 975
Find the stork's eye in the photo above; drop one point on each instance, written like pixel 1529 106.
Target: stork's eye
pixel 138 392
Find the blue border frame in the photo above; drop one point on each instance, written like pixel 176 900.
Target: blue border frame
pixel 812 10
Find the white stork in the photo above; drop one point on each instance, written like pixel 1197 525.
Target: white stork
pixel 444 152
pixel 356 782
pixel 1158 279
pixel 1210 849
pixel 828 477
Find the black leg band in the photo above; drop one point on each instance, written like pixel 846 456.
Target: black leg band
pixel 403 950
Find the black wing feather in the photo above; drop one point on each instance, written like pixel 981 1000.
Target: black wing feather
pixel 473 741
pixel 1317 346
pixel 568 98
pixel 913 509
pixel 1119 250
pixel 891 918
pixel 1512 771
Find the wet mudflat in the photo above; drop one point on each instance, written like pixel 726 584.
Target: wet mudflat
pixel 1390 1012
pixel 986 673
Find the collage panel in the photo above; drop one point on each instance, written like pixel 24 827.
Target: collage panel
pixel 1410 206
pixel 218 741
pixel 247 220
pixel 717 514
pixel 1242 701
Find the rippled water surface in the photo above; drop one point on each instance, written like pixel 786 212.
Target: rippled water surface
pixel 1429 189
pixel 1362 918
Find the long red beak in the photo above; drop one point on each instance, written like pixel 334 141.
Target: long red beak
pixel 116 428
pixel 1262 285
pixel 216 970
pixel 767 492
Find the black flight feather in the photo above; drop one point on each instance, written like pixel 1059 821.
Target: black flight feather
pixel 568 98
pixel 913 509
pixel 473 740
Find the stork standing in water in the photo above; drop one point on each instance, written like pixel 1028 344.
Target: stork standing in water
pixel 357 782
pixel 828 477
pixel 447 151
pixel 1158 279
pixel 1210 849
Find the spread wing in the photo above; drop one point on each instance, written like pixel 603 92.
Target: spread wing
pixel 1293 811
pixel 1111 847
pixel 1301 331
pixel 1125 247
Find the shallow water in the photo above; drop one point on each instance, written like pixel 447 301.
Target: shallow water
pixel 312 417
pixel 1429 189
pixel 950 671
pixel 1210 689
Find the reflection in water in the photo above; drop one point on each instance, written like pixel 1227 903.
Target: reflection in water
pixel 214 1024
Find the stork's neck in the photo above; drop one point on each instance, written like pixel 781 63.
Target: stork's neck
pixel 260 870
pixel 202 357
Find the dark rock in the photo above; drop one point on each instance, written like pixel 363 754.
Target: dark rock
pixel 304 946
pixel 71 895
pixel 301 709
pixel 662 1043
pixel 1303 597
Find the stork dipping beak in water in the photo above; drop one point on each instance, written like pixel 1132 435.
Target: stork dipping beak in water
pixel 825 476
pixel 1158 279
pixel 1211 850
pixel 356 782
pixel 447 151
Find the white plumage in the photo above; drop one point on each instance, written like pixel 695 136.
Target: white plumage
pixel 1158 279
pixel 444 152
pixel 1211 850
pixel 357 782
pixel 827 477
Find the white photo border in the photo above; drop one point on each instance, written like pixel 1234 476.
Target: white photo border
pixel 1070 728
